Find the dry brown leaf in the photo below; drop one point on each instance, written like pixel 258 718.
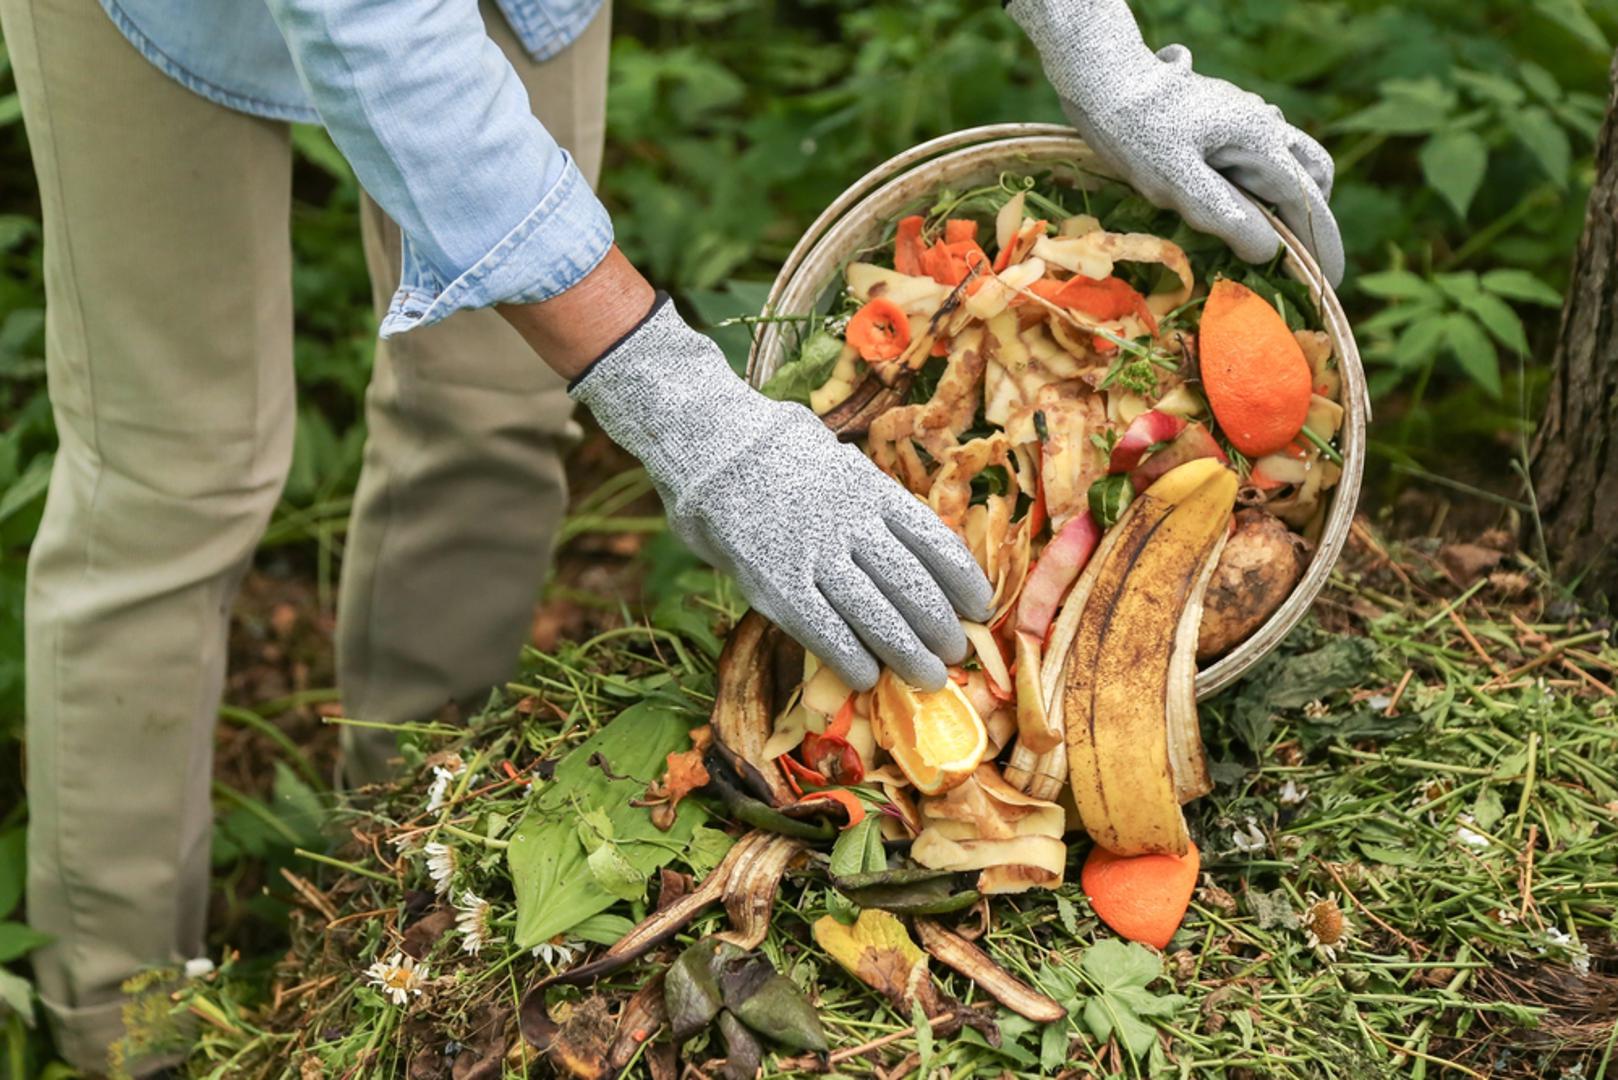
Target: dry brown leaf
pixel 877 951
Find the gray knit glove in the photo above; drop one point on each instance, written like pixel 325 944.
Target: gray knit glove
pixel 819 539
pixel 1182 139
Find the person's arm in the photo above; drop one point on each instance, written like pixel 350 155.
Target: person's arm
pixel 438 128
pixel 434 122
pixel 1182 139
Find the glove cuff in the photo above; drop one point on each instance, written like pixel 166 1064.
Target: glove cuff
pixel 666 394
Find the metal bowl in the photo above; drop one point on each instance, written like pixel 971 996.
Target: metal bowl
pixel 857 219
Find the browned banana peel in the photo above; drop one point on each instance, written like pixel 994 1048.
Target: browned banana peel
pixel 743 711
pixel 1128 705
pixel 959 954
pixel 754 863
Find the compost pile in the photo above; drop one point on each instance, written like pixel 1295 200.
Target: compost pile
pixel 1135 435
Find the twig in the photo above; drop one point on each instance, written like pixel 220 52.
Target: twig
pixel 283 995
pixel 1606 690
pixel 1438 617
pixel 312 895
pixel 946 1022
pixel 1592 659
pixel 359 915
pixel 1466 632
pixel 1525 879
pixel 1398 692
pixel 1358 529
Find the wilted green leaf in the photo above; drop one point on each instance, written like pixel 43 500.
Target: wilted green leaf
pixel 743 1053
pixel 770 1003
pixel 1335 666
pixel 795 380
pixel 691 987
pixel 1488 808
pixel 615 873
pixel 1110 496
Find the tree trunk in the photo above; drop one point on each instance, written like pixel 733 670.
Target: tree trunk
pixel 1575 453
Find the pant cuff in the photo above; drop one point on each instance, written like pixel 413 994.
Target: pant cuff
pixel 85 1034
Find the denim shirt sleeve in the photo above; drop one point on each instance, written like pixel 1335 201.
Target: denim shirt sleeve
pixel 439 131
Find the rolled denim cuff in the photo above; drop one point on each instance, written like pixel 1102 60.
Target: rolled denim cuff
pixel 551 250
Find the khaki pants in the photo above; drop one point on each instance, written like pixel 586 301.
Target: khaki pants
pixel 169 352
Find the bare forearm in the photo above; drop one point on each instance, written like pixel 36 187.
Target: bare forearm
pixel 571 329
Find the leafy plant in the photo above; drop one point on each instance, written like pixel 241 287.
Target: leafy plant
pixel 581 846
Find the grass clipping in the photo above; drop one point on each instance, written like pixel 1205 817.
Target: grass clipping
pixel 1408 857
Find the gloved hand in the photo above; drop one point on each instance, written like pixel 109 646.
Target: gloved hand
pixel 821 541
pixel 1182 139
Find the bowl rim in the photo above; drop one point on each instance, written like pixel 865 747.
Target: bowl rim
pixel 882 190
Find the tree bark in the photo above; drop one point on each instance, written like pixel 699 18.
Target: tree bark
pixel 1575 453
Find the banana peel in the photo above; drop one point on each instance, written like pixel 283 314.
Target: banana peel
pixel 1129 706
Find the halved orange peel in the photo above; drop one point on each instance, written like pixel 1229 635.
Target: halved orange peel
pixel 936 737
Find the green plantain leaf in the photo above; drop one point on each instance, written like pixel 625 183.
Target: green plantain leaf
pixel 558 882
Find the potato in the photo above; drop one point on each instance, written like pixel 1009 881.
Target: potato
pixel 1258 569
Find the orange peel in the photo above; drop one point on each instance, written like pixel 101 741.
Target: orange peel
pixel 936 738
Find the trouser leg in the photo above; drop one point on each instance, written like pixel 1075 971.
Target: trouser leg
pixel 168 351
pixel 463 487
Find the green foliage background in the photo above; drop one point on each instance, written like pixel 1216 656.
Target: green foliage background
pixel 1462 131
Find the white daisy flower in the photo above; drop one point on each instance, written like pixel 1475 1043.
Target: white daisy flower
pixel 1250 840
pixel 443 775
pixel 1465 834
pixel 1578 955
pixel 399 978
pixel 1325 928
pixel 472 920
pixel 1291 794
pixel 556 952
pixel 440 865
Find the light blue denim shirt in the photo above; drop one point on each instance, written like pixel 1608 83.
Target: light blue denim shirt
pixel 429 113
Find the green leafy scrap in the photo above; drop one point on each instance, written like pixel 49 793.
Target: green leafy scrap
pixel 560 880
pixel 797 379
pixel 1121 1005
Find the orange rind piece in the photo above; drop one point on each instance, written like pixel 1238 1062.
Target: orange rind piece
pixel 936 738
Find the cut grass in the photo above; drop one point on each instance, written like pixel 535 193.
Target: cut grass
pixel 1438 763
